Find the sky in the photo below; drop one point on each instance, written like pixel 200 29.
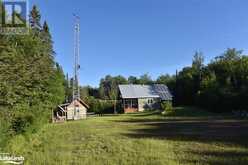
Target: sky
pixel 133 37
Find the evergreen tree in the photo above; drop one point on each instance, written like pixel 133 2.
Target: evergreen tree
pixel 35 18
pixel 133 80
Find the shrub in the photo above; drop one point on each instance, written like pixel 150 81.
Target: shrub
pixel 166 107
pixel 20 122
pixel 102 106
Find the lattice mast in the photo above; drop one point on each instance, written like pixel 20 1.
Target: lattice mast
pixel 76 88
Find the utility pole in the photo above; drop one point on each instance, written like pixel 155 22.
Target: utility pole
pixel 76 88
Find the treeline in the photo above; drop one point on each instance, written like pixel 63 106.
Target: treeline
pixel 31 83
pixel 220 86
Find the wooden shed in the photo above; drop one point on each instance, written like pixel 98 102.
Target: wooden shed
pixel 75 110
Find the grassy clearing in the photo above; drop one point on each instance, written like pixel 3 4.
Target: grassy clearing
pixel 144 138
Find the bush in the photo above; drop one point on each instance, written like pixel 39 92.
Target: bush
pixel 20 122
pixel 102 106
pixel 166 107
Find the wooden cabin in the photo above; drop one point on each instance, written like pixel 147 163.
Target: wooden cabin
pixel 74 110
pixel 138 98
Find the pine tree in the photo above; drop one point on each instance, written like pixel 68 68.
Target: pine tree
pixel 35 18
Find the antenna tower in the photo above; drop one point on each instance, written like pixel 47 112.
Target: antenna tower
pixel 76 90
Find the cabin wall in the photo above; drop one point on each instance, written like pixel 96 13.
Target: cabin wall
pixel 80 113
pixel 143 104
pixel 83 113
pixel 70 113
pixel 148 104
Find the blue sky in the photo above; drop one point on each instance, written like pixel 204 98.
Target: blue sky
pixel 133 37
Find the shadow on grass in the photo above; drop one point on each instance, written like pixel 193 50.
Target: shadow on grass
pixel 209 130
pixel 171 120
pixel 221 158
pixel 189 124
pixel 227 132
pixel 192 126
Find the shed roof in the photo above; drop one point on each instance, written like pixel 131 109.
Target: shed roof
pixel 145 91
pixel 63 106
pixel 82 102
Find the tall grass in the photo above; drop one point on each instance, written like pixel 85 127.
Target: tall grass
pixel 4 128
pixel 21 122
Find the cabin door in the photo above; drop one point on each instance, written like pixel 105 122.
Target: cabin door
pixel 77 113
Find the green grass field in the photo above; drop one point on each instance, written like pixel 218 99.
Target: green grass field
pixel 186 136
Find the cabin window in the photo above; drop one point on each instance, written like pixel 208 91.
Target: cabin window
pixel 150 101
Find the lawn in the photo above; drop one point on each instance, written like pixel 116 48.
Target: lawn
pixel 186 136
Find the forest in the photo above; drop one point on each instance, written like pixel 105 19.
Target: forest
pixel 32 83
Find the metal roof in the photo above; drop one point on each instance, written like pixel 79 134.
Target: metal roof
pixel 145 91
